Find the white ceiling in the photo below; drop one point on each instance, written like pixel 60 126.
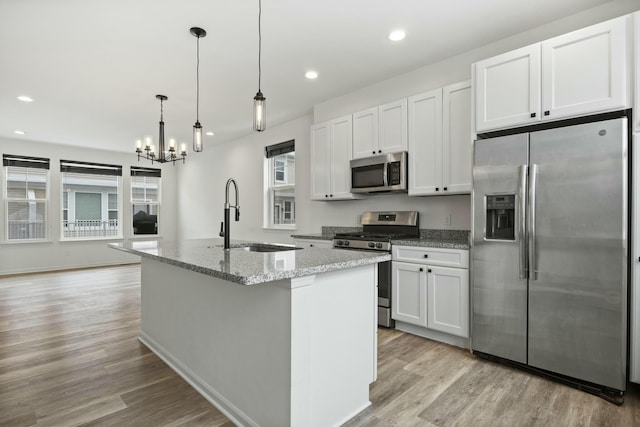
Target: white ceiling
pixel 94 67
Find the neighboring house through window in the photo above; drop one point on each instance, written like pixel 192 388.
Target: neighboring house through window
pixel 26 197
pixel 280 173
pixel 90 200
pixel 145 199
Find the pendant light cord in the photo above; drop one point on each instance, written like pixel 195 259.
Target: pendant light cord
pixel 198 79
pixel 259 44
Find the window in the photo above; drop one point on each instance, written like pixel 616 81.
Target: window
pixel 145 199
pixel 280 194
pixel 26 197
pixel 90 200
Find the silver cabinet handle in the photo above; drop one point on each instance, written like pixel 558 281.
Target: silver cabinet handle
pixel 522 233
pixel 533 271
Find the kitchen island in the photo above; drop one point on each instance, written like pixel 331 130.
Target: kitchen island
pixel 285 338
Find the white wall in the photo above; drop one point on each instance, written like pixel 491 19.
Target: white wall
pixel 201 196
pixel 54 254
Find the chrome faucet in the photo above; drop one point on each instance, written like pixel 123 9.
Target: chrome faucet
pixel 224 226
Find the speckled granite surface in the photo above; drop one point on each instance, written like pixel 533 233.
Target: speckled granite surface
pixel 238 265
pixel 451 239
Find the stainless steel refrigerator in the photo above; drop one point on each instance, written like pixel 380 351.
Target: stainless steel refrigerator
pixel 550 250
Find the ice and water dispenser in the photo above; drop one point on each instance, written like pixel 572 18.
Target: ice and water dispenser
pixel 501 209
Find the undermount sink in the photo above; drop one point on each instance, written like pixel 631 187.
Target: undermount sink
pixel 263 247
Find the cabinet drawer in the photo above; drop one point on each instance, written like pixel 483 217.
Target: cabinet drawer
pixel 432 256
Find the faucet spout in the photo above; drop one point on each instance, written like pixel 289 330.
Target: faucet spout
pixel 227 208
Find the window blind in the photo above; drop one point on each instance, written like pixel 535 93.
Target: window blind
pixel 26 162
pixel 140 171
pixel 281 148
pixel 90 168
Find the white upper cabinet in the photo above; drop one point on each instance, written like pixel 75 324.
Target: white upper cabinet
pixel 380 130
pixel 440 143
pixel 508 89
pixel 457 142
pixel 578 73
pixel 425 143
pixel 636 38
pixel 392 127
pixel 331 145
pixel 585 71
pixel 365 133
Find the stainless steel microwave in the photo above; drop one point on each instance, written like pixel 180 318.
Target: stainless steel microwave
pixel 383 173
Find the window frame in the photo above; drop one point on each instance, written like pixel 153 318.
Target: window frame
pixel 24 162
pixel 76 168
pixel 271 186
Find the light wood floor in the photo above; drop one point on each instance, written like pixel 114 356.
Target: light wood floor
pixel 69 356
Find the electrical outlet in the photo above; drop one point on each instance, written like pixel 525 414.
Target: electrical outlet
pixel 447 220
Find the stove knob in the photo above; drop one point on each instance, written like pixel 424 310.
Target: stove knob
pixel 339 242
pixel 379 245
pixel 346 243
pixel 372 245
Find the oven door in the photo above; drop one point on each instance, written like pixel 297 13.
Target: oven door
pixel 384 294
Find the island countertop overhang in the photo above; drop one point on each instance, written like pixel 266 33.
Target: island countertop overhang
pixel 207 256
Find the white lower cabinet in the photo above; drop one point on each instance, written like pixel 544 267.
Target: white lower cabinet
pixel 634 368
pixel 429 295
pixel 313 243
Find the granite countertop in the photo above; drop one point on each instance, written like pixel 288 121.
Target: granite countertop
pixel 429 238
pixel 238 265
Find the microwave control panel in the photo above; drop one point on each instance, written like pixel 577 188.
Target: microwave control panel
pixel 394 173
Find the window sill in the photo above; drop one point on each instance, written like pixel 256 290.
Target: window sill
pixel 280 227
pixel 30 242
pixel 92 239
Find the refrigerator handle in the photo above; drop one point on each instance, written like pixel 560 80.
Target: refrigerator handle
pixel 533 271
pixel 522 208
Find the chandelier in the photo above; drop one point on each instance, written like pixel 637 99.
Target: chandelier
pixel 147 150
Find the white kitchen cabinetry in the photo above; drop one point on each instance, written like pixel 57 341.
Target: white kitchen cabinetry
pixel 380 130
pixel 440 144
pixel 313 243
pixel 578 73
pixel 430 289
pixel 331 144
pixel 636 38
pixel 365 133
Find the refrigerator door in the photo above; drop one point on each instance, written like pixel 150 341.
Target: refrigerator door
pixel 499 282
pixel 578 286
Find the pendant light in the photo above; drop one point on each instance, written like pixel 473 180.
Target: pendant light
pixel 259 101
pixel 197 127
pixel 164 156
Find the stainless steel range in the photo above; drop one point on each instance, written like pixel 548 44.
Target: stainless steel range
pixel 378 229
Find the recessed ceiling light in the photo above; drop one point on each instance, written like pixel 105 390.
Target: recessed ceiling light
pixel 397 35
pixel 19 132
pixel 209 133
pixel 25 98
pixel 311 75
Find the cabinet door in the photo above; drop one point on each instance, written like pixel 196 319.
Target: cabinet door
pixel 425 143
pixel 409 293
pixel 457 145
pixel 448 300
pixel 341 146
pixel 636 38
pixel 508 89
pixel 365 133
pixel 312 243
pixel 585 71
pixel 320 161
pixel 392 127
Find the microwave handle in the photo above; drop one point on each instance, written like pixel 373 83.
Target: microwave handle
pixel 385 180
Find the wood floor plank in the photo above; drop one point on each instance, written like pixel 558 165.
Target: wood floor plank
pixel 70 355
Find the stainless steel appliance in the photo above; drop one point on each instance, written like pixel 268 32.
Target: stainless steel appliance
pixel 383 173
pixel 550 252
pixel 378 229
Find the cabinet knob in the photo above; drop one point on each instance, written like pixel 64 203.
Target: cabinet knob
pixel 437 189
pixel 421 269
pixel 546 113
pixel 429 271
pixel 311 245
pixel 330 195
pixel 426 255
pixel 379 151
pixel 373 152
pixel 326 195
pixel 533 115
pixel 444 188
